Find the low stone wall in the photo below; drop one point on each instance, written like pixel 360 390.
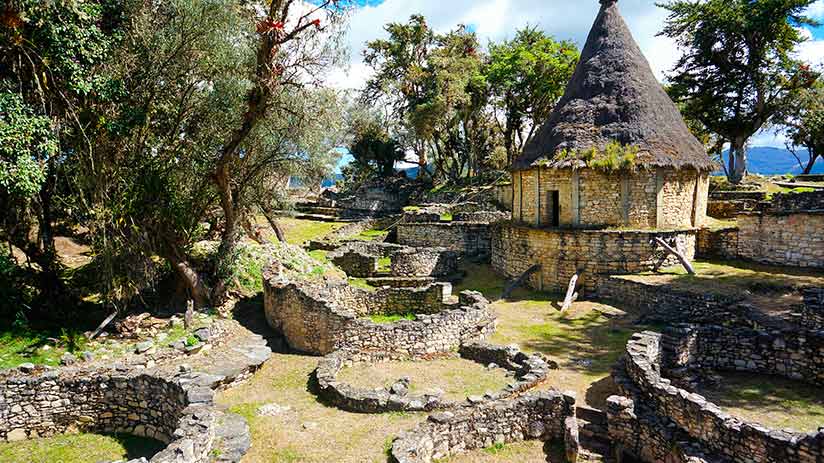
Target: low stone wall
pixel 661 303
pixel 360 259
pixel 729 208
pixel 717 243
pixel 813 310
pixel 783 238
pixel 533 416
pixel 111 401
pixel 320 318
pixel 466 238
pixel 796 355
pixel 528 371
pixel 594 254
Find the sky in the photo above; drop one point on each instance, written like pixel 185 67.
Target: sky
pixel 564 19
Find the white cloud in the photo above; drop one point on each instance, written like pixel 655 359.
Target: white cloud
pixel 816 10
pixel 499 19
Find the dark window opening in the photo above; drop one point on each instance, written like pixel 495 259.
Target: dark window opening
pixel 553 201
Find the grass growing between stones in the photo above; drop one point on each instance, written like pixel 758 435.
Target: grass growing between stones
pixel 586 340
pixel 771 401
pixel 299 231
pixel 531 451
pixel 379 318
pixel 79 448
pixel 458 378
pixel 371 235
pixel 309 431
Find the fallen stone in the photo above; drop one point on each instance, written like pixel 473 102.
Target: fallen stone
pixel 143 347
pixel 273 409
pixel 67 359
pixel 27 367
pixel 204 334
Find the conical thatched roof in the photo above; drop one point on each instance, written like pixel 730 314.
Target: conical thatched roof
pixel 614 97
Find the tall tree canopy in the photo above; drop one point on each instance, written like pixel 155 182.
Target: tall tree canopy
pixel 738 70
pixel 527 76
pixel 805 126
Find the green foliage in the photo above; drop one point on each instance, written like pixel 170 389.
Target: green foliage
pixel 373 148
pixel 382 319
pixel 527 76
pixel 26 142
pixel 614 156
pixel 805 125
pixel 738 69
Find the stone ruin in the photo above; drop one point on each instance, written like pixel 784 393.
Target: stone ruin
pixel 175 408
pixel 656 420
pixel 408 266
pixel 527 371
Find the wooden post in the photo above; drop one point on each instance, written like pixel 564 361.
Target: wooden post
pixel 189 315
pixel 571 295
pixel 671 250
pixel 659 199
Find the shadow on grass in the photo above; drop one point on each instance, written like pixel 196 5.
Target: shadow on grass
pixel 770 400
pixel 137 447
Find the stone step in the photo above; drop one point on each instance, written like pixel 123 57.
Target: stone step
pixel 332 211
pixel 232 439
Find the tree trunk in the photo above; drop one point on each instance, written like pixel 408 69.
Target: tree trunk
pixel 738 160
pixel 198 290
pixel 814 154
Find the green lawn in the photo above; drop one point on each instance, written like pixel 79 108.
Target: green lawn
pixel 79 448
pixel 24 346
pixel 371 235
pixel 299 231
pixel 771 401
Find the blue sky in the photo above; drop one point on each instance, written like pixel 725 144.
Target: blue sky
pixel 564 19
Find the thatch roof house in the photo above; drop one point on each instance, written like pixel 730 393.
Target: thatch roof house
pixel 615 152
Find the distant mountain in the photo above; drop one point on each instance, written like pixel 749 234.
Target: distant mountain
pixel 766 160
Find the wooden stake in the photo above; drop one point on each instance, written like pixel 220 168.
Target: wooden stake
pixel 571 295
pixel 189 315
pixel 104 324
pixel 671 250
pixel 508 290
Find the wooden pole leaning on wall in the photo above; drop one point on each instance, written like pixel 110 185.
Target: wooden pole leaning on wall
pixel 671 250
pixel 571 295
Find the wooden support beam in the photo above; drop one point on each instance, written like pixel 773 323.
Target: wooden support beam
pixel 103 325
pixel 571 295
pixel 673 251
pixel 519 281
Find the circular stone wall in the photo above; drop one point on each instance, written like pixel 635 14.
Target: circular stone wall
pixel 110 401
pixel 649 355
pixel 320 317
pixel 527 370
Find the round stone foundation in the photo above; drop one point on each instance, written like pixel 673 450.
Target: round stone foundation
pixel 527 372
pixel 321 317
pixel 705 428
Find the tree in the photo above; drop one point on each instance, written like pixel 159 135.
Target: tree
pixel 737 71
pixel 373 149
pixel 402 76
pixel 49 52
pixel 527 76
pixel 805 126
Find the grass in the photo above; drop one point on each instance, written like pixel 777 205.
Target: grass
pixel 339 436
pixel 379 318
pixel 733 278
pixel 586 340
pixel 361 283
pixel 457 377
pixel 532 450
pixel 79 448
pixel 299 231
pixel 22 346
pixel 320 255
pixel 371 235
pixel 384 264
pixel 446 217
pixel 771 401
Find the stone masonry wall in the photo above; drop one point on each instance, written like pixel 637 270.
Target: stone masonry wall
pixel 718 244
pixel 612 199
pixel 466 238
pixel 712 347
pixel 794 239
pixel 562 252
pixel 176 411
pixel 532 416
pixel 321 318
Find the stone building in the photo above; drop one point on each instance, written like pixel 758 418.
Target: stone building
pixel 612 166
